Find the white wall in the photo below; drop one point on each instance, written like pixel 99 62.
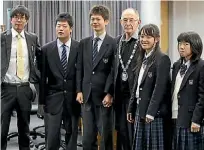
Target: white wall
pixel 184 16
pixel 1 12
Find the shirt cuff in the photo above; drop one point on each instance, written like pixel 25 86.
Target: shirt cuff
pixel 196 124
pixel 150 117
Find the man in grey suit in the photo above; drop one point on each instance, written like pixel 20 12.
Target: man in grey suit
pixel 20 52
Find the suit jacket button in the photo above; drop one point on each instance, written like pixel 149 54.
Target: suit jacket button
pixel 65 91
pixel 140 89
pixel 65 80
pixel 93 72
pixel 178 96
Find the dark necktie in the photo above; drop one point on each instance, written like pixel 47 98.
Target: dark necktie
pixel 95 49
pixel 183 69
pixel 64 58
pixel 144 62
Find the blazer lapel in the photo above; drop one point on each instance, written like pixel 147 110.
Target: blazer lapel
pixel 8 45
pixel 174 74
pixel 186 76
pixel 89 49
pixel 29 47
pixel 72 53
pixel 102 51
pixel 146 71
pixel 55 55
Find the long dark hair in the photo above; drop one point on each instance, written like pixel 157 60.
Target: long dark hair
pixel 153 31
pixel 195 43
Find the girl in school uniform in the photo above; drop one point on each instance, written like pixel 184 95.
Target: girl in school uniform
pixel 188 93
pixel 149 103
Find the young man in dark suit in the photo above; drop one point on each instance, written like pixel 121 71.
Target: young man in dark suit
pixel 95 81
pixel 188 94
pixel 20 52
pixel 58 85
pixel 125 62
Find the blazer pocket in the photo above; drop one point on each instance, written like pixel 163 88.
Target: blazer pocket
pixel 191 108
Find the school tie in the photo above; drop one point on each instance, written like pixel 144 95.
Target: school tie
pixel 95 49
pixel 144 62
pixel 64 58
pixel 183 69
pixel 20 58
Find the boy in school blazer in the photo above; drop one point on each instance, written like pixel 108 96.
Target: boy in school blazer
pixel 95 82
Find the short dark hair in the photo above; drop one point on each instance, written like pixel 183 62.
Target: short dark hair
pixel 150 30
pixel 65 17
pixel 20 9
pixel 100 10
pixel 195 43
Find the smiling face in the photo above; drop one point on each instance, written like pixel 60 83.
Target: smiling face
pixel 63 30
pixel 98 23
pixel 147 42
pixel 130 21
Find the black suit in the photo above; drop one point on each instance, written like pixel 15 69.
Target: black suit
pixel 191 94
pixel 95 82
pixel 58 95
pixel 18 97
pixel 121 98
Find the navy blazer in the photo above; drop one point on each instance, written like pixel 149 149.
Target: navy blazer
pixel 191 94
pixel 154 89
pixel 56 87
pixel 95 80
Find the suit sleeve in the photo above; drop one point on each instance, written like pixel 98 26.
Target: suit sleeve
pixel 162 79
pixel 43 79
pixel 109 87
pixel 38 54
pixel 79 68
pixel 198 113
pixel 132 103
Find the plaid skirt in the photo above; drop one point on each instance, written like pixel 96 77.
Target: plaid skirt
pixel 148 136
pixel 184 139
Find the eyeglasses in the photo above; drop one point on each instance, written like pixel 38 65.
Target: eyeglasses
pixel 131 21
pixel 19 18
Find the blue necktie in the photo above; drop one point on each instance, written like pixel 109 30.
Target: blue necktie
pixel 95 49
pixel 64 58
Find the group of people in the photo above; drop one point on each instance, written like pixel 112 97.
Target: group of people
pixel 124 83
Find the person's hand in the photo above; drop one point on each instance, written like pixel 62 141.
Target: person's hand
pixel 79 98
pixel 107 101
pixel 40 112
pixel 130 118
pixel 195 127
pixel 148 120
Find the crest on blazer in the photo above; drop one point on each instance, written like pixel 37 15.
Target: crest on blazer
pixel 190 82
pixel 105 60
pixel 150 74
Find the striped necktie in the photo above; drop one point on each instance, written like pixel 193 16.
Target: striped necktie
pixel 64 58
pixel 95 49
pixel 183 69
pixel 20 58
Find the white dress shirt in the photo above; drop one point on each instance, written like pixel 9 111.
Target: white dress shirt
pixel 60 48
pixel 11 74
pixel 102 36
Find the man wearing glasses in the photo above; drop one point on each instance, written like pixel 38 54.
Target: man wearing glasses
pixel 20 52
pixel 125 62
